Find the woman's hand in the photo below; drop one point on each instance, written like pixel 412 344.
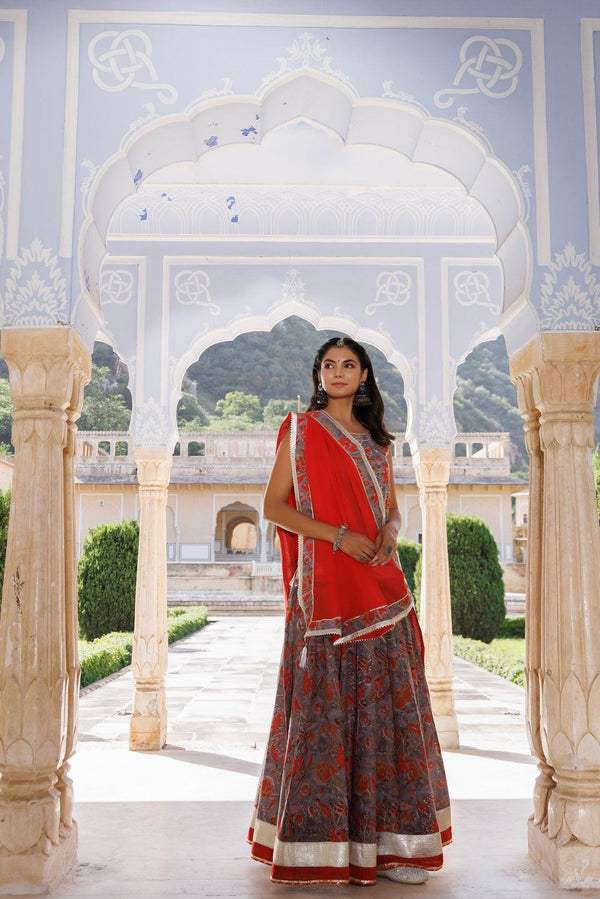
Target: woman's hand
pixel 357 546
pixel 385 544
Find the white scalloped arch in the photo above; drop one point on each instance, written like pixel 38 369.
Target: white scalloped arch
pixel 245 324
pixel 324 102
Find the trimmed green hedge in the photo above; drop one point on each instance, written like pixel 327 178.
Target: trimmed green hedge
pixel 108 654
pixel 409 553
pixel 106 579
pixel 512 627
pixel 489 658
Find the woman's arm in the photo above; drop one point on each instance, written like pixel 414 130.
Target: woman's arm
pixel 277 509
pixel 386 539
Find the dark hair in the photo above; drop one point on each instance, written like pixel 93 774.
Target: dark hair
pixel 370 416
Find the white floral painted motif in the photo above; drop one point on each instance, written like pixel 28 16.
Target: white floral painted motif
pixel 461 118
pixel 116 286
pixel 293 288
pixel 149 115
pixel 121 59
pixel 306 52
pixel 391 94
pixel 2 49
pixel 525 188
pixel 570 295
pixel 150 424
pixel 435 424
pixel 35 294
pixel 494 65
pixel 393 289
pixel 192 289
pixel 472 288
pixel 86 184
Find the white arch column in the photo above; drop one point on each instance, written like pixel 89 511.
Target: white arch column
pixel 432 467
pixel 150 645
pixel 562 369
pixel 39 673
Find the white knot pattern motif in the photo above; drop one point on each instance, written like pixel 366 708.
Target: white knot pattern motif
pixel 191 289
pixel 495 75
pixel 471 288
pixel 393 289
pixel 116 286
pixel 122 60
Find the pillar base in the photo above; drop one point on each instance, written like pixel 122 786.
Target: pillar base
pixel 573 866
pixel 447 731
pixel 147 734
pixel 32 873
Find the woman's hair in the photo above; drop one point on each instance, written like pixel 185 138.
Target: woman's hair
pixel 370 416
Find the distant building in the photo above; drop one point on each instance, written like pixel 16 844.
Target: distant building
pixel 218 480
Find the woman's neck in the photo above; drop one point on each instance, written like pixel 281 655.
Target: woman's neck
pixel 342 412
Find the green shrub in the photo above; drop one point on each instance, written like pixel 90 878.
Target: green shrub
pixel 476 584
pixel 4 513
pixel 489 658
pixel 512 627
pixel 108 654
pixel 106 579
pixel 409 554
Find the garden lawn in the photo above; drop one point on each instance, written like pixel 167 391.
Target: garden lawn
pixel 504 656
pixel 108 654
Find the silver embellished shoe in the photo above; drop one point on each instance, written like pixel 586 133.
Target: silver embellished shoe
pixel 404 874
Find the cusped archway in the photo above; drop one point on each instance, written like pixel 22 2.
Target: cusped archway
pixel 325 102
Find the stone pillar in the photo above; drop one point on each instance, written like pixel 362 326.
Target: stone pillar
pixel 264 532
pixel 64 784
pixel 535 609
pixel 563 368
pixel 38 629
pixel 150 644
pixel 432 467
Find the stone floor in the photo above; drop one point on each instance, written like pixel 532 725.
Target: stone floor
pixel 174 823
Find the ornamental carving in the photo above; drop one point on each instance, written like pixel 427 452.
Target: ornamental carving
pixel 192 289
pixel 472 288
pixel 435 424
pixel 570 294
pixel 489 67
pixel 393 289
pixel 35 294
pixel 122 59
pixel 306 52
pixel 150 424
pixel 116 286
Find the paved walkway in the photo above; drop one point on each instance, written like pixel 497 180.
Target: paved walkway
pixel 174 823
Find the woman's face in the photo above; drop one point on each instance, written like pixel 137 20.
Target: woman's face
pixel 340 372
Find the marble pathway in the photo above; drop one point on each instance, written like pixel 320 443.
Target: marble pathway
pixel 174 823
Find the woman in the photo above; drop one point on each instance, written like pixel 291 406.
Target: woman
pixel 353 783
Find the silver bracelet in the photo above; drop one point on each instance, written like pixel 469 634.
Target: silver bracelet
pixel 338 539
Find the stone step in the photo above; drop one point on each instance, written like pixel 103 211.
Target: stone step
pixel 228 602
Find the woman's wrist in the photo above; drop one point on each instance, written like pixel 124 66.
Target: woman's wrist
pixel 338 539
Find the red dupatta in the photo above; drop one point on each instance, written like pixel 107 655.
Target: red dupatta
pixel 340 478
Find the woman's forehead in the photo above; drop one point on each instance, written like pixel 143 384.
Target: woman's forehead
pixel 343 354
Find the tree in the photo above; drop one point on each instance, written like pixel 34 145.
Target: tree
pixel 106 578
pixel 190 414
pixel 476 583
pixel 237 404
pixel 276 410
pixel 6 410
pixel 104 406
pixel 4 515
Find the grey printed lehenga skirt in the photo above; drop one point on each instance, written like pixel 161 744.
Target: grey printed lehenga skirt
pixel 353 778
